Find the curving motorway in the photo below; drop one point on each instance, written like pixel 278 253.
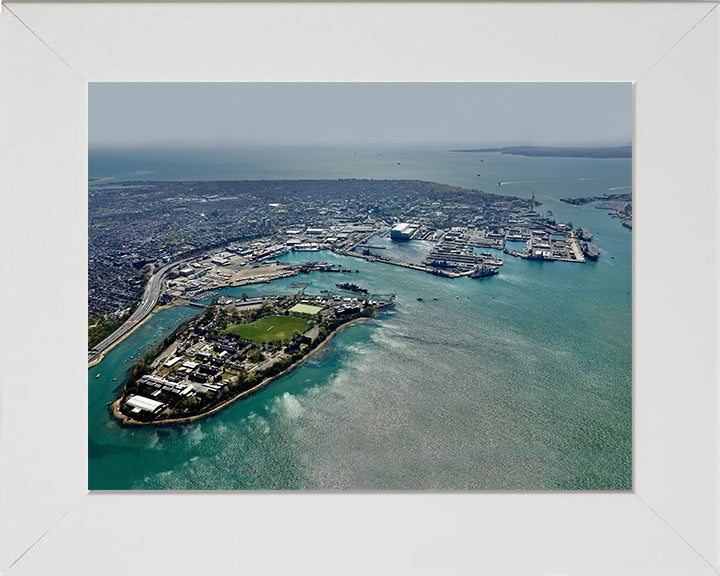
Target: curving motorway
pixel 149 299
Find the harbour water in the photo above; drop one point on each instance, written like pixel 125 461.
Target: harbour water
pixel 519 381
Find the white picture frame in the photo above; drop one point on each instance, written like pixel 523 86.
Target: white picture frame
pixel 50 524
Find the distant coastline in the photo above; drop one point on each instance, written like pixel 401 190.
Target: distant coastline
pixel 563 152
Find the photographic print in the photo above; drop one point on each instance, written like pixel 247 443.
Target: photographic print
pixel 338 286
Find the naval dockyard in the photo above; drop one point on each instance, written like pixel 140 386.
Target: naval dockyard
pixel 200 238
pixel 189 239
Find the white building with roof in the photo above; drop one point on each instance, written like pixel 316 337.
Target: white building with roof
pixel 141 403
pixel 403 231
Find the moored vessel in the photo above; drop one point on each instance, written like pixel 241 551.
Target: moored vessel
pixel 591 250
pixel 351 287
pixel 483 271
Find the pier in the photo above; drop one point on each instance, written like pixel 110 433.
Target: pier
pixel 420 267
pixel 456 253
pixel 550 250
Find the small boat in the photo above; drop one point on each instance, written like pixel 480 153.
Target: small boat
pixel 97 375
pixel 419 299
pixel 114 380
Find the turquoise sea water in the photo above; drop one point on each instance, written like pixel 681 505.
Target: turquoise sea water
pixel 520 381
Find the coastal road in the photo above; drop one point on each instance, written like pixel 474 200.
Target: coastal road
pixel 149 299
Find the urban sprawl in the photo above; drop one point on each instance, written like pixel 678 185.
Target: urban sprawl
pixel 176 242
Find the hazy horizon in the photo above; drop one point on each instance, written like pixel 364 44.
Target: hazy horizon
pixel 365 146
pixel 363 115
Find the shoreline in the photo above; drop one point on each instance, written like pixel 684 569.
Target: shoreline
pixel 100 357
pixel 127 421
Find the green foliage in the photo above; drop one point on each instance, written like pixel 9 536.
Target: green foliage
pixel 100 328
pixel 368 312
pixel 256 356
pixel 252 379
pixel 269 329
pixel 188 404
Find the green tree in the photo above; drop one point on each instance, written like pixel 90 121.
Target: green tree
pixel 256 356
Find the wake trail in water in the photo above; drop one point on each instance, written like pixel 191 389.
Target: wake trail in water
pixel 545 181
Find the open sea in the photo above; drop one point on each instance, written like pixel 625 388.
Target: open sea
pixel 521 381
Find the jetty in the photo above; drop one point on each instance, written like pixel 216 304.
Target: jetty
pixel 420 267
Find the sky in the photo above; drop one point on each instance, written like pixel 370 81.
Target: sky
pixel 161 115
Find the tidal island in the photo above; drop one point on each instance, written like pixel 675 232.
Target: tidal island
pixel 235 347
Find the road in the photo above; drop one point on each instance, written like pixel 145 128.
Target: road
pixel 149 299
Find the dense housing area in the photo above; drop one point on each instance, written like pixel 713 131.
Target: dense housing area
pixel 178 242
pixel 136 227
pixel 183 239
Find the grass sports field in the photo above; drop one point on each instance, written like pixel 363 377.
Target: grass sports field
pixel 270 328
pixel 305 309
